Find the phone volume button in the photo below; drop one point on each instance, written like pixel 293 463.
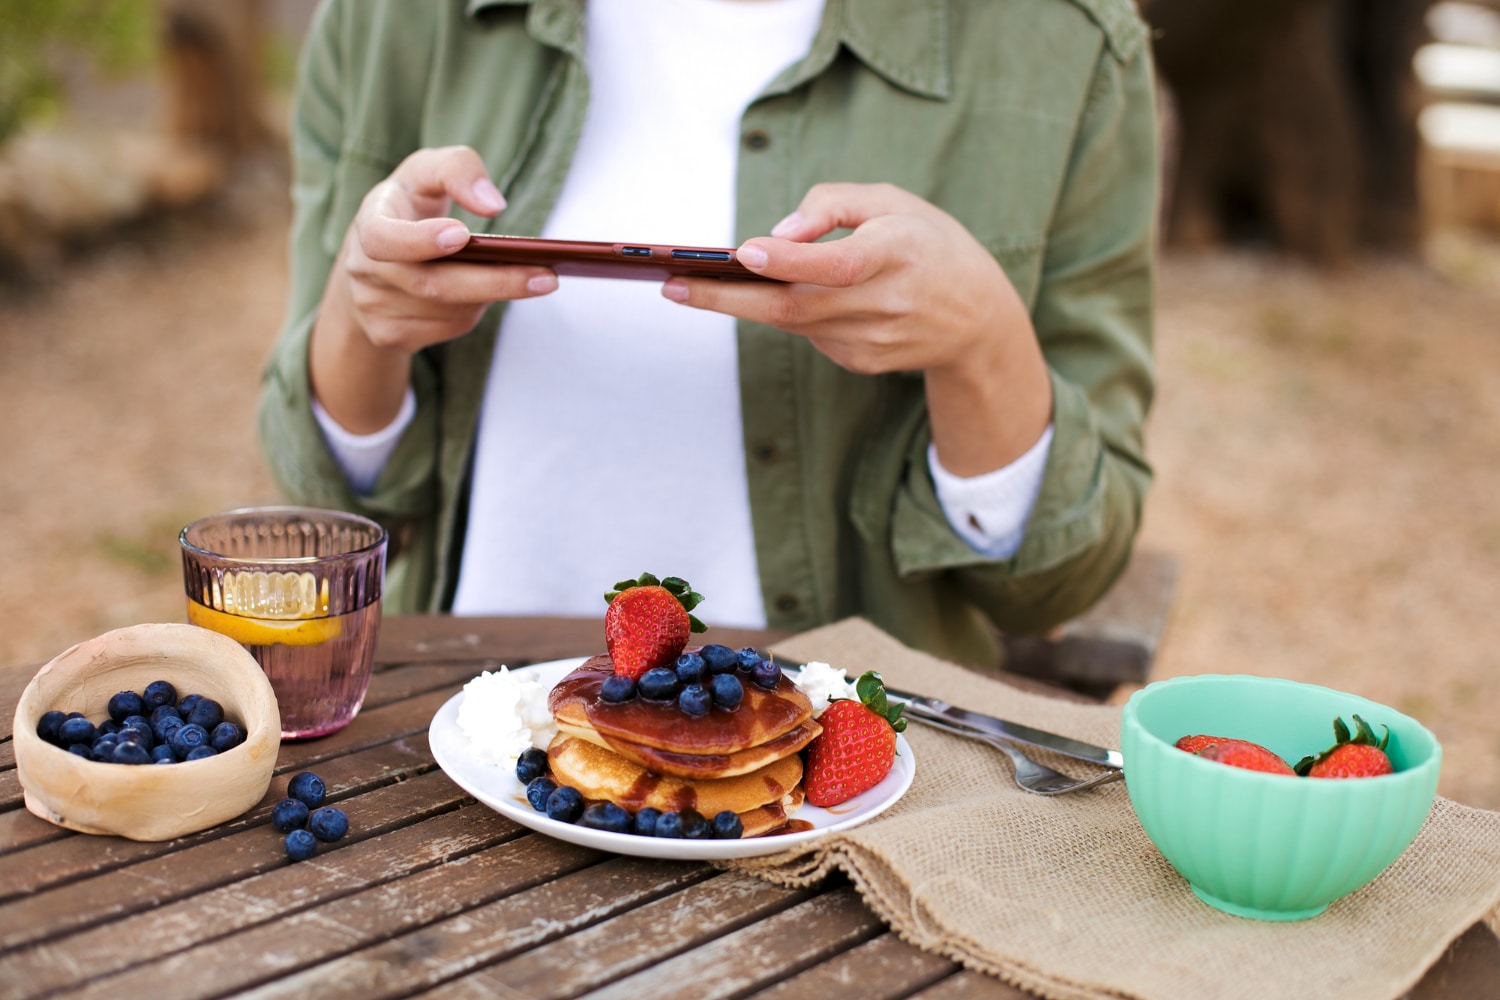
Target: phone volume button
pixel 635 251
pixel 722 255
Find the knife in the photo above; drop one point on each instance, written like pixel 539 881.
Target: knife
pixel 917 704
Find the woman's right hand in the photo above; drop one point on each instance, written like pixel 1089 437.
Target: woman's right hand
pixel 389 294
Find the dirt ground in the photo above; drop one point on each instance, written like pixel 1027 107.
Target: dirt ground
pixel 1326 447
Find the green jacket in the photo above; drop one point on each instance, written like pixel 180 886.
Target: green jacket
pixel 1031 121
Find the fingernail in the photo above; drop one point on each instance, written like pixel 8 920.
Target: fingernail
pixel 541 284
pixel 488 195
pixel 675 290
pixel 790 224
pixel 453 237
pixel 752 256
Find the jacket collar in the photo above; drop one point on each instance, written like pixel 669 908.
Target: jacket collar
pixel 905 41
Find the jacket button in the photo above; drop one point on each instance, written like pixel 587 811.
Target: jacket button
pixel 787 603
pixel 766 452
pixel 757 139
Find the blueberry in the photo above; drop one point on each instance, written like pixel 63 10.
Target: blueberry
pixel 669 824
pixel 124 705
pixel 538 790
pixel 690 668
pixel 186 738
pixel 720 659
pixel 138 733
pixel 199 753
pixel 107 741
pixel 658 684
pixel 104 753
pixel 79 730
pixel 301 845
pixel 138 719
pixel 308 788
pixel 48 724
pixel 164 729
pixel 130 753
pixel 727 690
pixel 766 674
pixel 565 804
pixel 108 726
pixel 532 763
pixel 328 824
pixel 288 815
pixel 617 688
pixel 162 754
pixel 207 713
pixel 606 816
pixel 694 826
pixel 164 712
pixel 159 694
pixel 727 826
pixel 645 822
pixel 695 700
pixel 81 750
pixel 226 736
pixel 746 658
pixel 186 702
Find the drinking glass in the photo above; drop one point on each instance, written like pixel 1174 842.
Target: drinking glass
pixel 300 588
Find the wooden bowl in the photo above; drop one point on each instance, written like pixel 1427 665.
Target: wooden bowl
pixel 147 802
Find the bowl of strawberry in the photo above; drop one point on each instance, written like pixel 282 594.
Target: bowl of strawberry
pixel 1271 797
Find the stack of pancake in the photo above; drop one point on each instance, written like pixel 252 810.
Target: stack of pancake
pixel 642 753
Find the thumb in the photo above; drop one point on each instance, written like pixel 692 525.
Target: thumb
pixel 433 177
pixel 827 207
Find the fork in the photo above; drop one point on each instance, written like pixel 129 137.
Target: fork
pixel 1030 775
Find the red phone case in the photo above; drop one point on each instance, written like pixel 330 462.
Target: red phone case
pixel 643 261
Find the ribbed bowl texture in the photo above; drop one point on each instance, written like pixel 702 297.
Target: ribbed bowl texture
pixel 1261 845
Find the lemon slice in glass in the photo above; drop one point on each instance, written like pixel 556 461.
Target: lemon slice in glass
pixel 268 609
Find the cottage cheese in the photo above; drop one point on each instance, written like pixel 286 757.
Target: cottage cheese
pixel 502 714
pixel 822 684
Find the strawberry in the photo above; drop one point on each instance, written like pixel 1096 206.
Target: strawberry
pixel 647 623
pixel 857 746
pixel 1360 755
pixel 1251 756
pixel 1195 744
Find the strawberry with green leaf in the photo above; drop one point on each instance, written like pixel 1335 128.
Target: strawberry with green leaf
pixel 647 623
pixel 857 746
pixel 1357 755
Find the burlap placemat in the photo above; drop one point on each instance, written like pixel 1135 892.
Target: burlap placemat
pixel 1066 897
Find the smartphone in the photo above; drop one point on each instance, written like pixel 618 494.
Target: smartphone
pixel 643 261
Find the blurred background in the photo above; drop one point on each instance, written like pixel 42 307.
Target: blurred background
pixel 1327 430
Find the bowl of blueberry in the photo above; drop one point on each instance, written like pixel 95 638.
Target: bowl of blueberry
pixel 148 732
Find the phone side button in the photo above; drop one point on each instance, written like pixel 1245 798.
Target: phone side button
pixel 700 255
pixel 635 251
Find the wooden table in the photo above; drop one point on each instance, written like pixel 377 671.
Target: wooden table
pixel 432 892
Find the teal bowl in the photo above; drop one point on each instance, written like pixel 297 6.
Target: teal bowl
pixel 1270 846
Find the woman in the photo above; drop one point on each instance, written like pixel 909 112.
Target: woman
pixel 933 420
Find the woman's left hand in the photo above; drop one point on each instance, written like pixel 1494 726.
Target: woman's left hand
pixel 909 289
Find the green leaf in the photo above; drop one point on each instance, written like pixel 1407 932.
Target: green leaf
pixel 1340 729
pixel 894 717
pixel 694 625
pixel 867 686
pixel 691 600
pixel 676 585
pixel 647 580
pixel 624 585
pixel 609 598
pixel 1305 764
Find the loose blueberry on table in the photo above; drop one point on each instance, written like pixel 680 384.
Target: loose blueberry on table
pixel 305 827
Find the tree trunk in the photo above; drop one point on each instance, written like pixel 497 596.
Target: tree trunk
pixel 1296 122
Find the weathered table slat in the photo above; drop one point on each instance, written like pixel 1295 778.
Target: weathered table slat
pixel 433 894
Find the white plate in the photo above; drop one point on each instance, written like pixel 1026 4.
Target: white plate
pixel 496 786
